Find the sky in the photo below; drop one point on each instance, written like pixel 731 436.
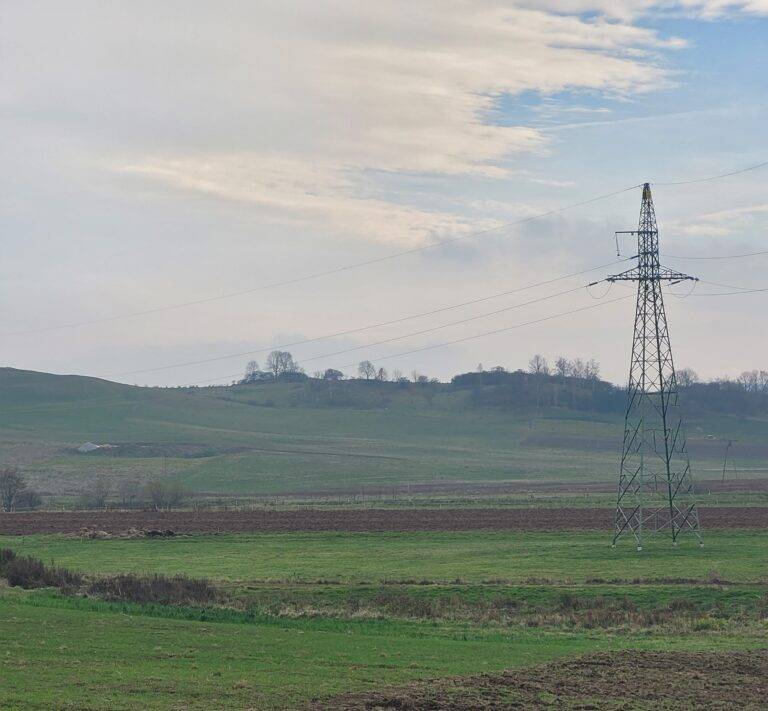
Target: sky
pixel 156 154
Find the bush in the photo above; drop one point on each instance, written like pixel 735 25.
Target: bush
pixel 160 589
pixel 29 573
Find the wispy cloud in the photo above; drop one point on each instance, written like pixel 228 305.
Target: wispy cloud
pixel 724 222
pixel 400 88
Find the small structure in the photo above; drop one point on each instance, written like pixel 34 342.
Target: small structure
pixel 88 447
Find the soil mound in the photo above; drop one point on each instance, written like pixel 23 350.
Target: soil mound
pixel 603 681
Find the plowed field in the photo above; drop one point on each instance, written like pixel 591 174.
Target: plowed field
pixel 541 519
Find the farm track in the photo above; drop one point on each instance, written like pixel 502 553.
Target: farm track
pixel 714 486
pixel 373 520
pixel 618 680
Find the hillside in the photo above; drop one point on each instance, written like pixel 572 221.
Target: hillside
pixel 317 437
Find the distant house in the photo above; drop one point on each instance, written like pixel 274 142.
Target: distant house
pixel 88 447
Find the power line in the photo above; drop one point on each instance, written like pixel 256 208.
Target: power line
pixel 722 256
pixel 735 289
pixel 367 262
pixel 730 293
pixel 498 330
pixel 453 342
pixel 432 329
pixel 318 275
pixel 716 177
pixel 367 327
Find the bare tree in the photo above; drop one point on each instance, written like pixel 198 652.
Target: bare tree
pixel 175 494
pixel 281 363
pixel 154 493
pixel 538 365
pixel 381 375
pixel 754 381
pixel 128 493
pixel 96 496
pixel 397 375
pixel 366 370
pixel 164 495
pixel 251 369
pixel 592 369
pixel 102 488
pixel 28 499
pixel 11 485
pixel 14 492
pixel 578 368
pixel 687 377
pixel 332 374
pixel 562 367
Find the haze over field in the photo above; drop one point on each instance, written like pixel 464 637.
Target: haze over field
pixel 154 154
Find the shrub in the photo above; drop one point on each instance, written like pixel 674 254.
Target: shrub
pixel 29 573
pixel 160 589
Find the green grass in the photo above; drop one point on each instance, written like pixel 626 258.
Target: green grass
pixel 73 652
pixel 61 653
pixel 58 657
pixel 473 556
pixel 301 444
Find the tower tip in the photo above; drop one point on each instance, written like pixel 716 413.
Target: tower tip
pixel 646 191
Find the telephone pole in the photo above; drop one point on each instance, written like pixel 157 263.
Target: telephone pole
pixel 656 494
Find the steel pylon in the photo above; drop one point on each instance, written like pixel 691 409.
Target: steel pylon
pixel 655 492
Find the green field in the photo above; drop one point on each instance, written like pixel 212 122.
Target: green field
pixel 290 438
pixel 473 556
pixel 56 655
pixel 312 615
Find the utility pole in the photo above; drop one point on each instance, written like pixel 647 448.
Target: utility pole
pixel 656 494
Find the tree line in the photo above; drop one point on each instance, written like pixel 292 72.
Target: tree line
pixel 153 493
pixel 561 382
pixel 281 366
pixel 17 495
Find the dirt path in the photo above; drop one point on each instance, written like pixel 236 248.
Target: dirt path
pixel 620 680
pixel 542 519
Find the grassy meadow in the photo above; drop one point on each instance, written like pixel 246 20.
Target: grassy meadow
pixel 472 556
pixel 311 615
pixel 57 654
pixel 284 438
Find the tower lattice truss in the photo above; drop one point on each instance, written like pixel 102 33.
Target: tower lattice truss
pixel 655 494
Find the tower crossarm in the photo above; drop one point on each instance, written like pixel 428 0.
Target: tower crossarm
pixel 659 274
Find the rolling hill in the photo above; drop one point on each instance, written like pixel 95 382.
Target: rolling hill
pixel 317 438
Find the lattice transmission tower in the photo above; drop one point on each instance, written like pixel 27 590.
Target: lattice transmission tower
pixel 656 494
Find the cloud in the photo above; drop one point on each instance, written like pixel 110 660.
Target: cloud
pixel 724 222
pixel 156 153
pixel 290 190
pixel 628 10
pixel 293 108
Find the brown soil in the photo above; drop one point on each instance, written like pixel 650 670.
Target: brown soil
pixel 529 519
pixel 618 680
pixel 756 485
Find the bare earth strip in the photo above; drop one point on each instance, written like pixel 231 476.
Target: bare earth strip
pixel 754 485
pixel 619 680
pixel 531 519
